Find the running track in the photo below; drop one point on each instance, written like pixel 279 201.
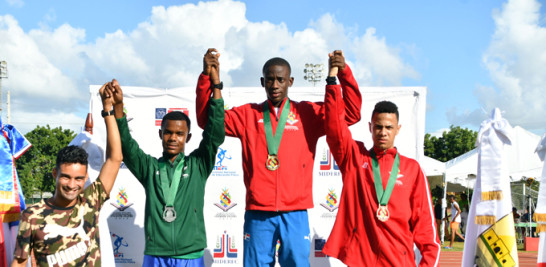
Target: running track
pixel 454 258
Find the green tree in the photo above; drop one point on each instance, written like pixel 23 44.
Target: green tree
pixel 34 167
pixel 451 144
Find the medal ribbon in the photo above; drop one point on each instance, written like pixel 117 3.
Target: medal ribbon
pixel 383 196
pixel 170 191
pixel 273 142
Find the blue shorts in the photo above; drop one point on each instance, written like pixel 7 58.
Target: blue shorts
pixel 262 229
pixel 159 261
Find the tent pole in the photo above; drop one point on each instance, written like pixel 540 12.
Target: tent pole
pixel 444 207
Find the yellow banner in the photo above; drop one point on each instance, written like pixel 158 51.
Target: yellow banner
pixel 497 245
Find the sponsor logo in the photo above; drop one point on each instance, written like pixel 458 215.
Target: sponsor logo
pixel 68 255
pixel 331 203
pixel 365 165
pixel 327 161
pixel 328 166
pixel 319 245
pixel 225 201
pixel 221 155
pixel 122 201
pixel 220 168
pixel 225 250
pixel 117 244
pixel 161 112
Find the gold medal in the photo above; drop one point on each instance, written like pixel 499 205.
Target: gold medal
pixel 272 162
pixel 382 213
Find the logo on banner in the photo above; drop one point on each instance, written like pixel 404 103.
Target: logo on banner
pixel 220 169
pixel 328 166
pixel 161 112
pixel 331 203
pixel 225 201
pixel 122 203
pixel 319 245
pixel 225 204
pixel 225 250
pixel 117 244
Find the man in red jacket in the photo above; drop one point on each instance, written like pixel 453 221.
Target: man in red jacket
pixel 385 203
pixel 278 155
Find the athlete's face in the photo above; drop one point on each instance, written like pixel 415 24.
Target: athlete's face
pixel 384 128
pixel 276 81
pixel 70 180
pixel 174 135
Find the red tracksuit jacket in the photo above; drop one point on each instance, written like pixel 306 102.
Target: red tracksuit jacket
pixel 290 186
pixel 358 238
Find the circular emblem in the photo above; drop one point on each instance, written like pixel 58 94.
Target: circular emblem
pixel 169 214
pixel 272 162
pixel 382 213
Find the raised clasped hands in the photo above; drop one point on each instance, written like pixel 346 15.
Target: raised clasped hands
pixel 211 65
pixel 336 62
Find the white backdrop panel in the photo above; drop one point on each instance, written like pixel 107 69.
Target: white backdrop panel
pixel 225 191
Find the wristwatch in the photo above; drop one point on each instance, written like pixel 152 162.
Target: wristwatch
pixel 107 113
pixel 219 86
pixel 331 80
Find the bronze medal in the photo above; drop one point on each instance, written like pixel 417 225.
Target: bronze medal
pixel 382 213
pixel 272 162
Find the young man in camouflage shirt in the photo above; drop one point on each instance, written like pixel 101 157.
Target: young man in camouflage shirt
pixel 63 230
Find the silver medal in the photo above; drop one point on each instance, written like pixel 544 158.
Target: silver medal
pixel 169 214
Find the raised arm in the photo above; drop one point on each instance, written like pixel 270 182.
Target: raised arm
pixel 351 93
pixel 338 136
pixel 134 158
pixel 208 80
pixel 109 170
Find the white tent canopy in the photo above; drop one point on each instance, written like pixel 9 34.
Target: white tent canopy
pixel 522 160
pixel 432 167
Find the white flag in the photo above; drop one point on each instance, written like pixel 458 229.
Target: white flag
pixel 490 235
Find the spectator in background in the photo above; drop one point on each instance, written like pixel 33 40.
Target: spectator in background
pixel 516 214
pixel 438 215
pixel 455 221
pixel 463 204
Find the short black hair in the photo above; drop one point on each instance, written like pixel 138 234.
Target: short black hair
pixel 386 107
pixel 276 61
pixel 71 154
pixel 176 116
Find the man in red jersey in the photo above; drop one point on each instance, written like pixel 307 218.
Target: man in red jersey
pixel 385 204
pixel 277 160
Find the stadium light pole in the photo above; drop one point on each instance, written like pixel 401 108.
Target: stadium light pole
pixel 3 75
pixel 313 72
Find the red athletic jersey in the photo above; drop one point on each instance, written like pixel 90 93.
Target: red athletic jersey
pixel 290 186
pixel 358 238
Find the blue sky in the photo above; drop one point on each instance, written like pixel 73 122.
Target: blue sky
pixel 471 55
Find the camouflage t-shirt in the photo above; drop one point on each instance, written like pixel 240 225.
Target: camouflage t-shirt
pixel 63 236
